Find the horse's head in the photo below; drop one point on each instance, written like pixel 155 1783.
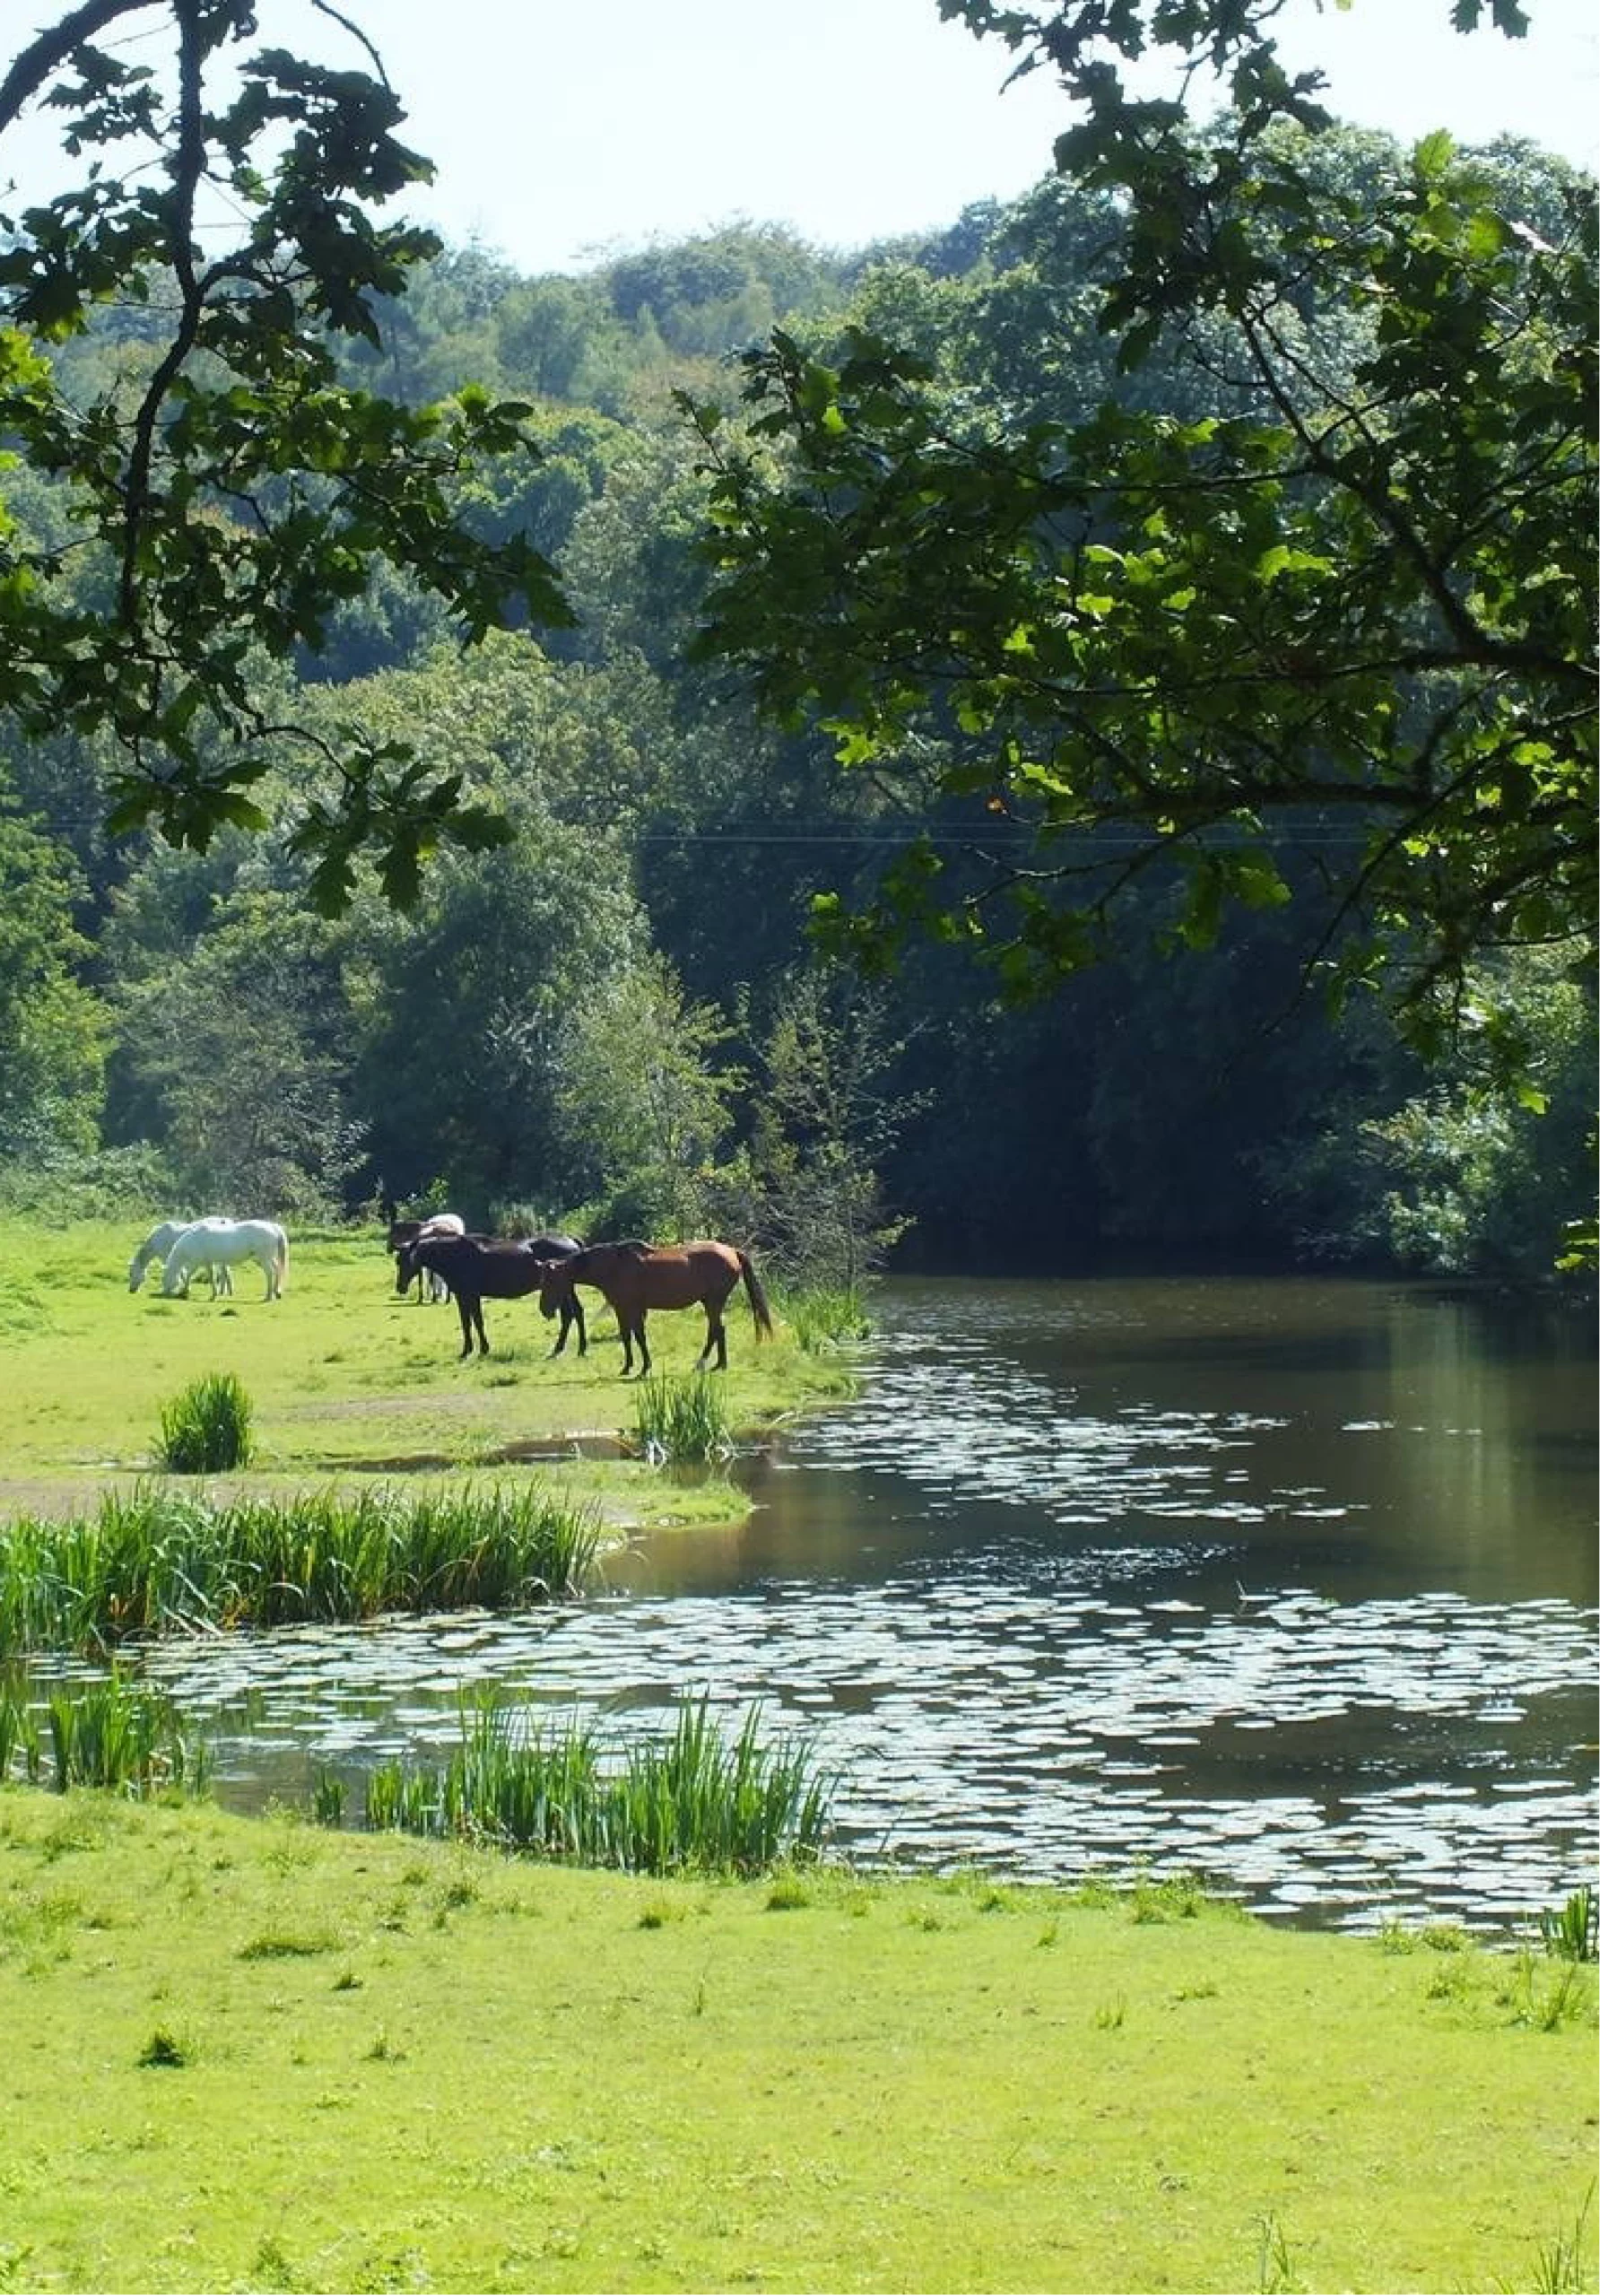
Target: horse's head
pixel 405 1268
pixel 556 1285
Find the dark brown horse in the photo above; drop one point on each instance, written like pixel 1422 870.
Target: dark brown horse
pixel 637 1277
pixel 403 1232
pixel 490 1268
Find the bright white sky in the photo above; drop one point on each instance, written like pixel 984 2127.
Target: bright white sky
pixel 562 132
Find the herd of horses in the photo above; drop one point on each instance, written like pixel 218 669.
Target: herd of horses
pixel 437 1253
pixel 631 1277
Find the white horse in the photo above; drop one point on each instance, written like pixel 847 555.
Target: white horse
pixel 160 1242
pixel 227 1242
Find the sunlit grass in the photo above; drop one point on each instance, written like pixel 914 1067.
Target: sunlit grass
pixel 347 1381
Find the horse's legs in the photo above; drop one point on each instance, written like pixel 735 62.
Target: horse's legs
pixel 464 1304
pixel 644 1345
pixel 716 1337
pixel 478 1319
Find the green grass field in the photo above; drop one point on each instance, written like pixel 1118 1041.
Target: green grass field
pixel 347 1381
pixel 255 2055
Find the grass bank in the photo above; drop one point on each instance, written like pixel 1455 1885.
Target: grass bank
pixel 349 1385
pixel 256 2055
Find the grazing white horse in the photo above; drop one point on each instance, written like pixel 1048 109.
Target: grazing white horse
pixel 160 1242
pixel 227 1242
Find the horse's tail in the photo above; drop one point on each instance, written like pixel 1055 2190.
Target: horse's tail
pixel 758 1297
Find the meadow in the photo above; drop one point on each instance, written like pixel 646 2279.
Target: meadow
pixel 257 2054
pixel 349 1384
pixel 275 2054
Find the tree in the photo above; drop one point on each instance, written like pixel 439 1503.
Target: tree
pixel 1349 610
pixel 644 1105
pixel 823 1120
pixel 52 1030
pixel 233 1060
pixel 225 490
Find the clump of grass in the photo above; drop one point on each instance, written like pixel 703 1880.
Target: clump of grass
pixel 696 1804
pixel 119 1734
pixel 206 1429
pixel 164 2051
pixel 821 1317
pixel 682 1420
pixel 1571 1932
pixel 18 1734
pixel 163 1561
pixel 327 1799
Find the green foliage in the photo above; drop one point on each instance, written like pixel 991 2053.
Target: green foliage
pixel 696 1804
pixel 206 1430
pixel 1328 591
pixel 20 1740
pixel 52 1027
pixel 231 490
pixel 825 1116
pixel 643 1104
pixel 235 1051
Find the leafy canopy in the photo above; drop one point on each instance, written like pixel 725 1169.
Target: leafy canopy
pixel 225 490
pixel 1347 612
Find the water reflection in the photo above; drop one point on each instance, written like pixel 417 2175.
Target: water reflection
pixel 1293 1584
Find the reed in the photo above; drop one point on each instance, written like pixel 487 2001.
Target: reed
pixel 1572 1931
pixel 206 1429
pixel 119 1734
pixel 821 1317
pixel 682 1420
pixel 696 1804
pixel 19 1734
pixel 159 1561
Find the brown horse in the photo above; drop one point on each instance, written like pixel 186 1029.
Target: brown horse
pixel 637 1277
pixel 490 1267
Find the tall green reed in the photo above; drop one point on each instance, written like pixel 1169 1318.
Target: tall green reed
pixel 119 1735
pixel 1572 1931
pixel 682 1420
pixel 18 1734
pixel 697 1803
pixel 821 1317
pixel 159 1562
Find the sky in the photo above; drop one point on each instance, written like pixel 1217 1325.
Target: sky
pixel 562 134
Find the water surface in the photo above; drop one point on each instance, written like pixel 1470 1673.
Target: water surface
pixel 1289 1583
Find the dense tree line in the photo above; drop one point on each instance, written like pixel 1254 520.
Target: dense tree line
pixel 530 927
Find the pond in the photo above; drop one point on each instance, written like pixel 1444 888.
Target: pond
pixel 1289 1584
